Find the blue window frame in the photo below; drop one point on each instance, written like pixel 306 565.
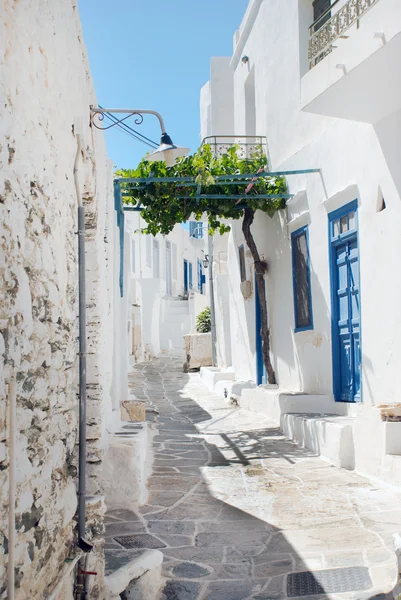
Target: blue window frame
pixel 301 279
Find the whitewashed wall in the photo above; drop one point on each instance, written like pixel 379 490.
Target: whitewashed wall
pixel 357 162
pixel 44 85
pixel 149 300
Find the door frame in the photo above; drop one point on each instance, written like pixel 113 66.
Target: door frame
pixel 333 245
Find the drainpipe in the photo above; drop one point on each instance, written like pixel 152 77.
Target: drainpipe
pixel 12 435
pixel 211 292
pixel 82 543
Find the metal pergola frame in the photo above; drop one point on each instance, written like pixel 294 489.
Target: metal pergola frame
pixel 233 179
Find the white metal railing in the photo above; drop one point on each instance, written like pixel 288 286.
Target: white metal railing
pixel 334 26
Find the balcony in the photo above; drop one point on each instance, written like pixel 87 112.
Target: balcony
pixel 330 28
pixel 354 58
pixel 247 145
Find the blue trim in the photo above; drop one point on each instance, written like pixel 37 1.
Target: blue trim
pixel 185 275
pixel 118 207
pixel 295 234
pixel 334 242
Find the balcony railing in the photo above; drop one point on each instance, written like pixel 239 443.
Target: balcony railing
pixel 333 28
pixel 248 146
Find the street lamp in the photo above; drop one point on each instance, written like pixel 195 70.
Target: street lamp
pixel 166 151
pixel 205 261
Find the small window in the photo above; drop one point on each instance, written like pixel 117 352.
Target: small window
pixel 242 267
pixel 200 276
pixel 196 229
pixel 190 275
pixel 133 256
pixel 301 280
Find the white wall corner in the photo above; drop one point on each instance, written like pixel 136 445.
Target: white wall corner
pixel 297 211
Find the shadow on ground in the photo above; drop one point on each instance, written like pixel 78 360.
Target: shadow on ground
pixel 212 549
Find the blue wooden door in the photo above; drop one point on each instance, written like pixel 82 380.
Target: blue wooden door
pixel 345 306
pixel 185 275
pixel 261 377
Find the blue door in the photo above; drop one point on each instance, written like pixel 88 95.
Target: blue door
pixel 185 275
pixel 346 325
pixel 261 377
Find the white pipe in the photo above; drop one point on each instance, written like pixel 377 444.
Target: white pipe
pixel 65 572
pixel 12 420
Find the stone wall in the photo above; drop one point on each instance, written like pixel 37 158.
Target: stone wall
pixel 44 85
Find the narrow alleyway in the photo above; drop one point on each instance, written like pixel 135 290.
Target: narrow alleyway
pixel 235 507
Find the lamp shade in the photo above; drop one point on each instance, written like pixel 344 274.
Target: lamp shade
pixel 167 151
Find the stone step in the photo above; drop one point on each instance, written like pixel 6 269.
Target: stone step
pixel 330 436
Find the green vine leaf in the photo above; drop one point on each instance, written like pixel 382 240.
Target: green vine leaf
pixel 164 204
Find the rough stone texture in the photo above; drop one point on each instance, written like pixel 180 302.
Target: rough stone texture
pixel 133 410
pixel 44 88
pixel 239 506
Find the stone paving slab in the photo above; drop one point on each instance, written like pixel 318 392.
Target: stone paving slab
pixel 239 506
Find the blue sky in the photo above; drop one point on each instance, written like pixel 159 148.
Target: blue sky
pixel 155 54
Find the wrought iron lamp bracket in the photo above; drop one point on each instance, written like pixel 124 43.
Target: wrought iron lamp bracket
pixel 97 114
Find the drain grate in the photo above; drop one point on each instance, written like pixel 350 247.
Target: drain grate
pixel 140 540
pixel 312 583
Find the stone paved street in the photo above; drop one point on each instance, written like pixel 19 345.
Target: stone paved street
pixel 235 507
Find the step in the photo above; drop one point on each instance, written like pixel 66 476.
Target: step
pixel 212 375
pixel 273 402
pixel 326 435
pixel 122 569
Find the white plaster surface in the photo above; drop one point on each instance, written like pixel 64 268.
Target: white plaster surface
pixel 357 161
pixel 198 350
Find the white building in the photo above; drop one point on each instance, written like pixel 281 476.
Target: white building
pixel 168 286
pixel 333 281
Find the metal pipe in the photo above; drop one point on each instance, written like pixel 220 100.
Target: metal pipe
pixel 12 421
pixel 234 176
pixel 132 111
pixel 82 543
pixel 82 374
pixel 212 306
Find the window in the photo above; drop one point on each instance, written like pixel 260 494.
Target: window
pixel 196 229
pixel 148 251
pixel 242 268
pixel 301 280
pixel 156 267
pixel 200 276
pixel 344 224
pixel 190 275
pixel 133 256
